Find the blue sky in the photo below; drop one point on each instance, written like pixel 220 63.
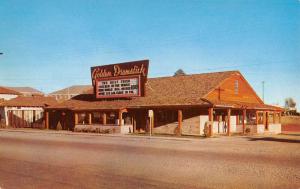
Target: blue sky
pixel 52 44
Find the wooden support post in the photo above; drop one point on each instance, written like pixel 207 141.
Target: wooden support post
pixel 104 118
pixel 13 122
pixel 120 117
pixel 11 113
pixel 274 117
pixel 280 117
pixel 152 121
pixel 211 119
pixel 134 123
pixel 267 120
pixel 34 116
pixel 76 118
pixel 23 119
pixel 228 121
pixel 244 118
pixel 8 118
pixel 179 122
pixel 257 117
pixel 90 118
pixel 47 120
pixel 264 118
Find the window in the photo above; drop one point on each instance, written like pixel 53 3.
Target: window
pixel 83 118
pixel 111 118
pixel 236 87
pixel 96 117
pixel 167 116
pixel 260 118
pixel 271 117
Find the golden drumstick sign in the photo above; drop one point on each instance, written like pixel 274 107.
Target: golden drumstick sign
pixel 120 80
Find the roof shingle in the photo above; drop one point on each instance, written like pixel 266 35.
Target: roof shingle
pixel 162 91
pixel 75 89
pixel 32 101
pixel 4 90
pixel 26 90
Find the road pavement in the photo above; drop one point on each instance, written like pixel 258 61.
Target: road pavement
pixel 43 160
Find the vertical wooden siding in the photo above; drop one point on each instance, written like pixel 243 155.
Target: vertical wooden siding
pixel 227 91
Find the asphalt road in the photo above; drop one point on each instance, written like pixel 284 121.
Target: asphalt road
pixel 41 160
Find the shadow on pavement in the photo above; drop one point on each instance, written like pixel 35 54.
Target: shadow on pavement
pixel 291 134
pixel 272 139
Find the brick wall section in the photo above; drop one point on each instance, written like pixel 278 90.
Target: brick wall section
pixel 166 129
pixel 191 126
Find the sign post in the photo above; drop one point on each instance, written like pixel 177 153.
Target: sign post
pixel 151 121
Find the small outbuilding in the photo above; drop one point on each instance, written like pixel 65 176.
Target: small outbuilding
pixel 21 112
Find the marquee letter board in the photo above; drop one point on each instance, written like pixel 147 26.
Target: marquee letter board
pixel 121 80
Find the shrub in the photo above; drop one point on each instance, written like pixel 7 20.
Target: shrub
pixel 247 130
pixel 58 126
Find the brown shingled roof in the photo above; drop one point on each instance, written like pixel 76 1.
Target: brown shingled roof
pixel 32 101
pixel 26 90
pixel 4 90
pixel 89 102
pixel 75 89
pixel 245 105
pixel 180 90
pixel 162 91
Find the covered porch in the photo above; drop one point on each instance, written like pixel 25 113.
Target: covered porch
pixel 106 121
pixel 193 120
pixel 175 120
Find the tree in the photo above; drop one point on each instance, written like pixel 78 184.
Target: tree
pixel 179 72
pixel 289 103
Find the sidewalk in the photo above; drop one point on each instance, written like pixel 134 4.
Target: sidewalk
pixel 55 132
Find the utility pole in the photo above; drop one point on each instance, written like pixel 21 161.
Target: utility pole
pixel 263 91
pixel 68 92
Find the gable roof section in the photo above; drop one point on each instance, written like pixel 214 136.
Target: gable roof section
pixel 187 90
pixel 75 89
pixel 5 90
pixel 163 91
pixel 32 101
pixel 180 90
pixel 26 90
pixel 243 79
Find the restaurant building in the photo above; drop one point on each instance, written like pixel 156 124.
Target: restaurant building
pixel 124 100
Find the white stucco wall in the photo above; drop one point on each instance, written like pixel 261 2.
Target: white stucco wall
pixel 8 96
pixel 233 124
pixel 217 126
pixel 275 128
pixel 126 129
pixel 203 120
pixel 260 129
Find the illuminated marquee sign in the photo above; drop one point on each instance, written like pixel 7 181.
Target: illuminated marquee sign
pixel 120 80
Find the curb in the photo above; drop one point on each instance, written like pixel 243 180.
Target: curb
pixel 69 133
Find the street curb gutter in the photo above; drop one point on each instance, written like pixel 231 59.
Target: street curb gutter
pixel 68 133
